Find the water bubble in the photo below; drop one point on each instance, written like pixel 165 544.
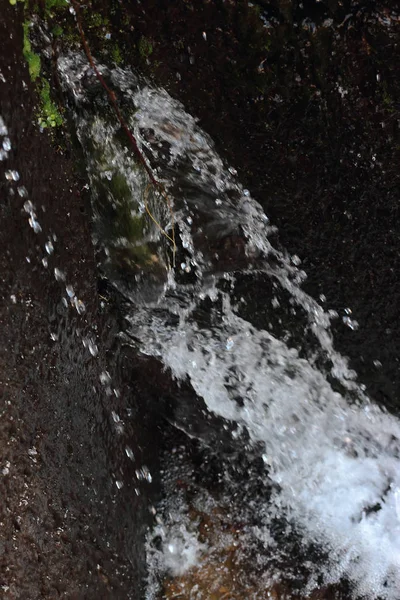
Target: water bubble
pixel 45 262
pixel 119 483
pixel 53 336
pixel 218 202
pixel 13 299
pixel 232 171
pixel 70 291
pixel 246 193
pixel 3 154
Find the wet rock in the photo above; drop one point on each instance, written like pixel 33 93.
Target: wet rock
pixel 73 514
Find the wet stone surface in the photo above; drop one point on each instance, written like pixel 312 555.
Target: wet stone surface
pixel 72 510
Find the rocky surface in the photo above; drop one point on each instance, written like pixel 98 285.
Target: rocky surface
pixel 72 511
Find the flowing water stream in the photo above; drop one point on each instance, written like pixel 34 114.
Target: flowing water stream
pixel 230 319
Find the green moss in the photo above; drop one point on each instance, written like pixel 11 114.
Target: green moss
pixel 31 57
pixel 95 20
pixel 57 31
pixel 49 114
pixel 116 55
pixel 145 47
pixel 53 5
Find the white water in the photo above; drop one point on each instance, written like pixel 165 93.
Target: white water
pixel 335 465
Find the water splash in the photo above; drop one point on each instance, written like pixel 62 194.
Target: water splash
pixel 332 460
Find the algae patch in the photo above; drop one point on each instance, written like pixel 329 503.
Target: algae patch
pixel 48 114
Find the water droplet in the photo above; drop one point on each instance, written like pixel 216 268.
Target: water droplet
pixel 105 378
pixel 59 275
pixel 49 247
pixel 351 323
pixel 296 260
pixel 6 144
pixel 45 262
pixel 229 344
pixel 22 191
pixel 3 127
pixel 13 299
pixel 129 453
pixel 204 36
pixel 34 224
pixel 70 291
pixel 12 175
pixel 79 306
pixel 115 417
pixel 144 474
pixel 28 207
pixel 232 171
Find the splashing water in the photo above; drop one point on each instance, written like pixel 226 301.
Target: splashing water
pixel 332 459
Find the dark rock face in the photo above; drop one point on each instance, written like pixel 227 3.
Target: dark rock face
pixel 72 512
